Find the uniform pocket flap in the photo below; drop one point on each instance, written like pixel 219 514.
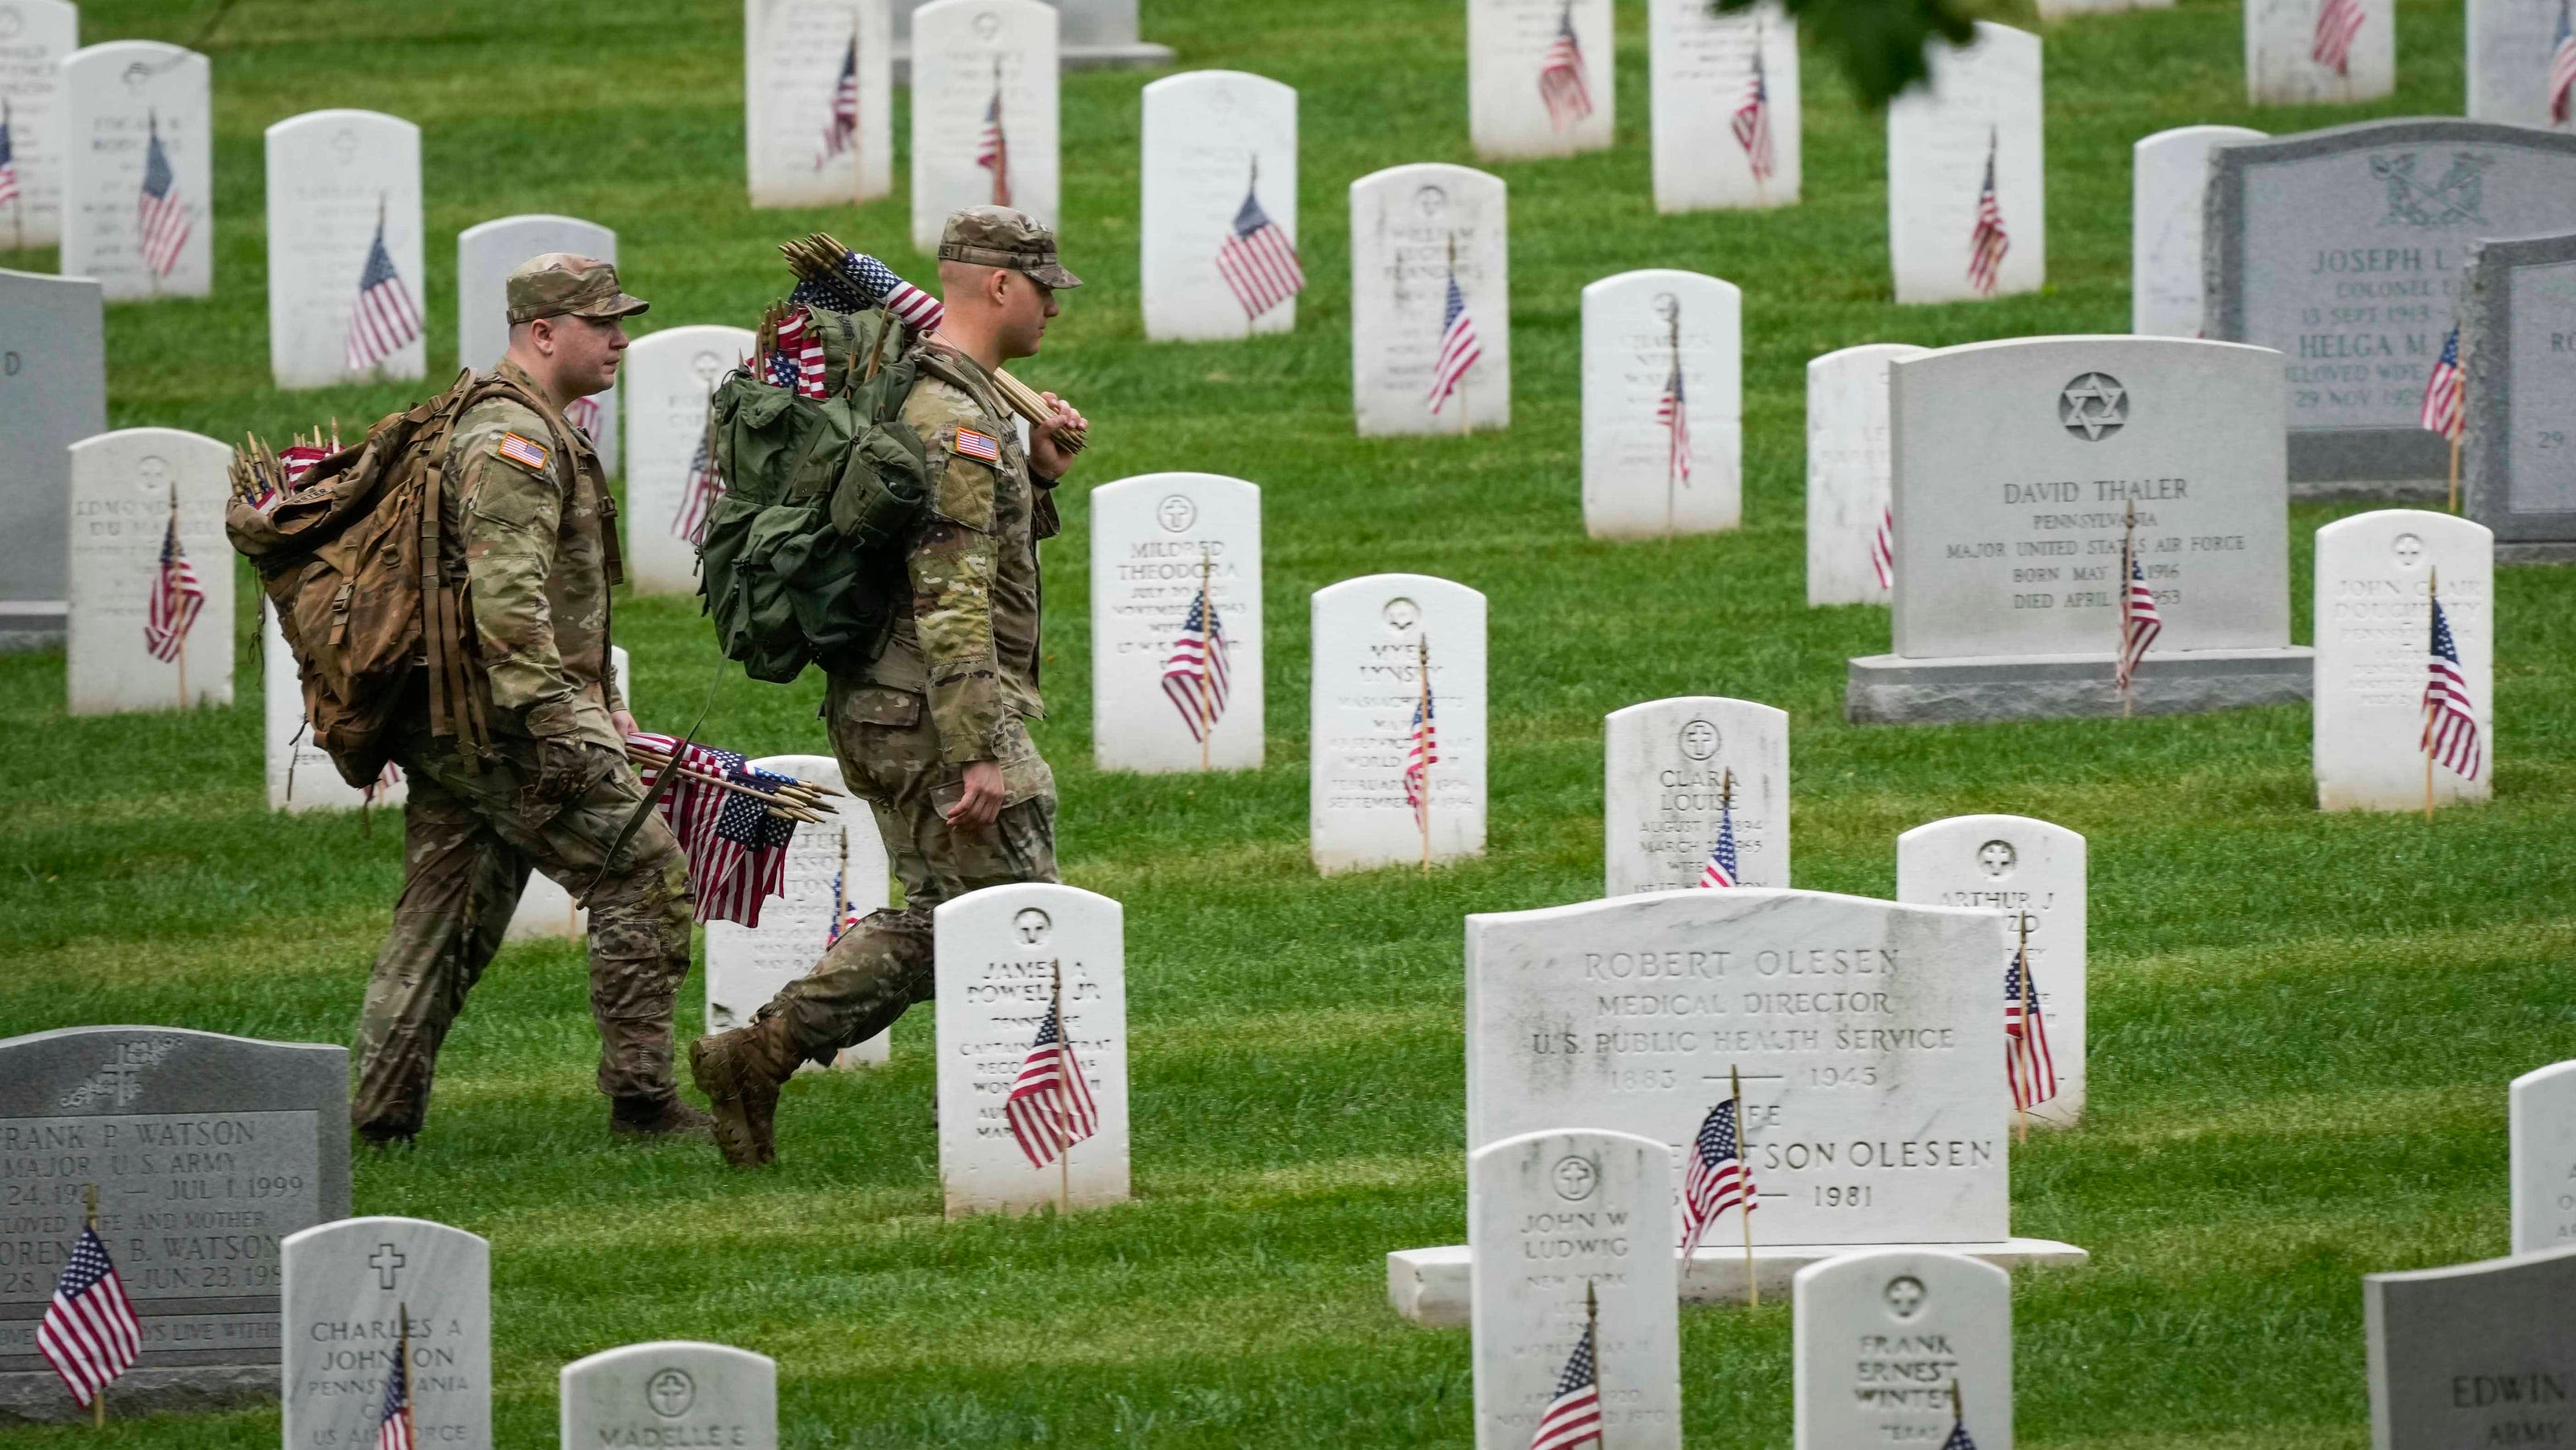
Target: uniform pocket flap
pixel 876 705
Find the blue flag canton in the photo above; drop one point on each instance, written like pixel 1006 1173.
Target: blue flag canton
pixel 1717 1140
pixel 2444 646
pixel 158 178
pixel 1579 1370
pixel 380 263
pixel 746 819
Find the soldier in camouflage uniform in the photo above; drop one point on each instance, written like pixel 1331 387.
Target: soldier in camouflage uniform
pixel 530 509
pixel 933 734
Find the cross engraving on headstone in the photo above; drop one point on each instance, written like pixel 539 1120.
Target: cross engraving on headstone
pixel 670 1393
pixel 1178 513
pixel 386 1261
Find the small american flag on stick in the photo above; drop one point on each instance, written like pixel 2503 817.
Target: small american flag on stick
pixel 1560 74
pixel 1672 414
pixel 795 353
pixel 2140 621
pixel 1882 548
pixel 384 319
pixel 1256 258
pixel 736 844
pixel 8 153
pixel 1717 1178
pixel 2450 720
pixel 1050 1108
pixel 1752 120
pixel 704 485
pixel 1459 348
pixel 2338 21
pixel 841 121
pixel 2028 1065
pixel 89 1333
pixel 1987 240
pixel 393 1416
pixel 1422 752
pixel 2562 70
pixel 1959 1439
pixel 919 310
pixel 1195 677
pixel 176 594
pixel 1573 1415
pixel 1721 867
pixel 161 219
pixel 2446 392
pixel 993 147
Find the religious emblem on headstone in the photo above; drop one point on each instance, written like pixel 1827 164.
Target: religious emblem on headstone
pixel 1997 858
pixel 387 1261
pixel 2093 407
pixel 1905 1295
pixel 1431 201
pixel 1402 614
pixel 987 25
pixel 670 1392
pixel 1032 925
pixel 1575 1177
pixel 1700 739
pixel 2455 199
pixel 11 22
pixel 2409 549
pixel 1176 513
pixel 344 146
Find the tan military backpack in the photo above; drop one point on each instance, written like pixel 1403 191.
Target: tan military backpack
pixel 365 589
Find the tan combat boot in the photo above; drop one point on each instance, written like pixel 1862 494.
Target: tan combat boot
pixel 740 1072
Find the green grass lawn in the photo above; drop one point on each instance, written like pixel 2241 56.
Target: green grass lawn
pixel 2303 1025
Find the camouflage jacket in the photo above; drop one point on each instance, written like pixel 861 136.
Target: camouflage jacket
pixel 527 498
pixel 968 637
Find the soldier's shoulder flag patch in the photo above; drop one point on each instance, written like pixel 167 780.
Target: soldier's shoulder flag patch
pixel 528 455
pixel 977 445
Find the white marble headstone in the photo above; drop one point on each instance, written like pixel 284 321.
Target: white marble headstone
pixel 794 55
pixel 486 254
pixel 2542 1122
pixel 35 35
pixel 2015 464
pixel 299 773
pixel 118 99
pixel 1154 539
pixel 335 178
pixel 1848 463
pixel 55 396
pixel 1512 46
pixel 1983 102
pixel 2026 869
pixel 2374 652
pixel 122 495
pixel 1212 137
pixel 545 908
pixel 1702 65
pixel 1000 951
pixel 1670 765
pixel 2282 64
pixel 1639 330
pixel 2511 43
pixel 1551 1215
pixel 2169 179
pixel 671 1392
pixel 350 1288
pixel 1371 635
pixel 669 377
pixel 1879 1338
pixel 972 60
pixel 842 863
pixel 1410 225
pixel 1868 1035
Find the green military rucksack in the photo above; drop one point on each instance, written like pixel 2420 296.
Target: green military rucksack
pixel 801 559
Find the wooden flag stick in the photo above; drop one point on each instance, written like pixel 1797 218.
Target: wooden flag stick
pixel 1207 647
pixel 164 583
pixel 1592 1331
pixel 2455 474
pixel 402 1311
pixel 2432 601
pixel 97 1401
pixel 1063 1099
pixel 2128 544
pixel 1958 1409
pixel 1673 321
pixel 1422 723
pixel 1744 1210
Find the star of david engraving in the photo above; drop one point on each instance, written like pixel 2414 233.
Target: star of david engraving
pixel 670 1392
pixel 2093 406
pixel 1997 858
pixel 1575 1178
pixel 386 1261
pixel 1176 513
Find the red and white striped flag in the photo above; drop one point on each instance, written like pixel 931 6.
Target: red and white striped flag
pixel 2027 1063
pixel 1752 120
pixel 2562 69
pixel 1560 75
pixel 1987 241
pixel 8 153
pixel 704 485
pixel 1459 348
pixel 2450 721
pixel 993 147
pixel 2446 388
pixel 161 218
pixel 1882 548
pixel 1196 676
pixel 841 125
pixel 737 848
pixel 384 319
pixel 2140 623
pixel 1256 258
pixel 176 598
pixel 1050 1108
pixel 1423 752
pixel 1673 414
pixel 1718 1177
pixel 89 1333
pixel 585 414
pixel 2338 21
pixel 1573 1415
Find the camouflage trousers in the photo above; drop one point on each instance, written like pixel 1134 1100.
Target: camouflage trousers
pixel 889 754
pixel 469 842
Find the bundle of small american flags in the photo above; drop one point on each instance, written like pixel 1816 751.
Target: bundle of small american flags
pixel 1195 676
pixel 1256 259
pixel 2027 1062
pixel 1573 1414
pixel 2338 21
pixel 833 277
pixel 1987 240
pixel 733 822
pixel 704 485
pixel 2446 392
pixel 841 125
pixel 89 1333
pixel 176 597
pixel 383 320
pixel 1718 1177
pixel 1050 1108
pixel 791 354
pixel 161 218
pixel 2450 721
pixel 1560 74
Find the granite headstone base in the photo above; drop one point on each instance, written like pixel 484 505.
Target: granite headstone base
pixel 1431 1287
pixel 2369 463
pixel 1893 690
pixel 174 1390
pixel 33 624
pixel 2535 553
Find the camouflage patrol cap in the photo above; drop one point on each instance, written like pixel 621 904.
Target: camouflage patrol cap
pixel 559 284
pixel 997 236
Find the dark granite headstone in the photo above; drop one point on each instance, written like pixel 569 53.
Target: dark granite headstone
pixel 53 393
pixel 2475 1355
pixel 2518 340
pixel 2344 249
pixel 206 1151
